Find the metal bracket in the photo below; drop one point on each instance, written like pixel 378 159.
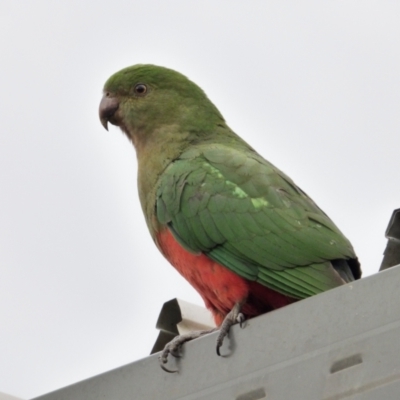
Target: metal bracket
pixel 392 252
pixel 178 317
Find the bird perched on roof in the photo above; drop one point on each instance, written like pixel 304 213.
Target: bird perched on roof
pixel 236 227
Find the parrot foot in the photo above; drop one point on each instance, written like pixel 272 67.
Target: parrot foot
pixel 232 318
pixel 175 345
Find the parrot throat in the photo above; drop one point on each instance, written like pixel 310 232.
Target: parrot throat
pixel 219 287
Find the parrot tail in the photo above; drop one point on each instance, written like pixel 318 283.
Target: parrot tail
pixel 349 270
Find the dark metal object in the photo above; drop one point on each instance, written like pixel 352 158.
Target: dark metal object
pixel 169 318
pixel 392 252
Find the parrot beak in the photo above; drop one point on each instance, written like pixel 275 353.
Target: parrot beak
pixel 108 106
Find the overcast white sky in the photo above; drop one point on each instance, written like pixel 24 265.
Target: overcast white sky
pixel 313 85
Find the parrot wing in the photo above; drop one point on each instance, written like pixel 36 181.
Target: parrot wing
pixel 242 212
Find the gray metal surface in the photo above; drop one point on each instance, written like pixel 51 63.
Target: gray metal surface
pixel 342 344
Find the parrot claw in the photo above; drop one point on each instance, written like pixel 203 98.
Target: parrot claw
pixel 174 347
pixel 241 319
pixel 170 371
pixel 218 347
pixel 232 318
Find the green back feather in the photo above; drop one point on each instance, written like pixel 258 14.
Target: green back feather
pixel 247 215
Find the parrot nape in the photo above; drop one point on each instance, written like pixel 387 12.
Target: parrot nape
pixel 237 228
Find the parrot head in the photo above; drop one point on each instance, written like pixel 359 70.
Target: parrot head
pixel 143 99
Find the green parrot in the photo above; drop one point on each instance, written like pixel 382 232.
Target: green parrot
pixel 243 234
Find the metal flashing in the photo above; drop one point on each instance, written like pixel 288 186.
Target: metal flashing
pixel 341 344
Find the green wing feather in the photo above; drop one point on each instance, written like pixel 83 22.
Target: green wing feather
pixel 247 215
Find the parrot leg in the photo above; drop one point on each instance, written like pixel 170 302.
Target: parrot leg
pixel 233 317
pixel 175 345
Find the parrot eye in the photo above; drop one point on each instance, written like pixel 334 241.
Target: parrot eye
pixel 140 89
